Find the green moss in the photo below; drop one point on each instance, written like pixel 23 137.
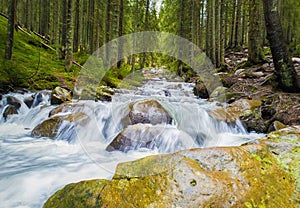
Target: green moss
pixel 32 65
pixel 100 193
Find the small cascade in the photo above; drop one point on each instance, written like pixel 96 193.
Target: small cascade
pixel 33 168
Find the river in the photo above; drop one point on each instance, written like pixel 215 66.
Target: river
pixel 32 169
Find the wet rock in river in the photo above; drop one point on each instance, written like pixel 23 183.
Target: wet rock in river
pixel 60 95
pixel 13 101
pixel 163 138
pixel 50 127
pixel 33 100
pixel 149 111
pixel 29 101
pixel 9 110
pixel 200 90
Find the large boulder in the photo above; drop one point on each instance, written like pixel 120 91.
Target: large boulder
pixel 9 110
pixel 264 173
pixel 148 111
pixel 162 138
pixel 60 95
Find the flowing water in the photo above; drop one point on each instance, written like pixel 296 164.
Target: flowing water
pixel 31 169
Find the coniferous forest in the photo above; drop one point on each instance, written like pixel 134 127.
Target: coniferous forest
pixel 93 116
pixel 77 28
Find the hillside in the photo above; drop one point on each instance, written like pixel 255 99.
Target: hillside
pixel 32 67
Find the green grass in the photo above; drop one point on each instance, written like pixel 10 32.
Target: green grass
pixel 32 66
pixel 35 67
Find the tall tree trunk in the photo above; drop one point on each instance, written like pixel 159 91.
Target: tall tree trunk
pixel 254 43
pixel 232 25
pixel 222 32
pixel 108 29
pixel 69 38
pixel 27 11
pixel 181 34
pixel 202 16
pixel 64 28
pixel 237 42
pixel 91 20
pixel 146 28
pixel 12 7
pixel 76 26
pixel 284 68
pixel 218 33
pixel 120 45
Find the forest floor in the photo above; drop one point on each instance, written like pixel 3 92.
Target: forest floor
pixel 257 83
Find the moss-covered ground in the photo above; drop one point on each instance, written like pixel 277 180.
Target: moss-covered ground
pixel 35 67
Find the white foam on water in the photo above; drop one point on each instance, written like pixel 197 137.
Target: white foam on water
pixel 32 169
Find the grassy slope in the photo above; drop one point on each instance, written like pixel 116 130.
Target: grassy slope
pixel 28 56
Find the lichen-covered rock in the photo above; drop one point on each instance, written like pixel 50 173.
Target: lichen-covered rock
pixel 162 138
pixel 264 173
pixel 9 110
pixel 148 111
pixel 60 95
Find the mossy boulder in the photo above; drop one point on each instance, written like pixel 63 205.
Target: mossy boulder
pixel 264 173
pixel 163 138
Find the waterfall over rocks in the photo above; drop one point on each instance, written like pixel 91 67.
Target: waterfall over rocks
pixel 90 138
